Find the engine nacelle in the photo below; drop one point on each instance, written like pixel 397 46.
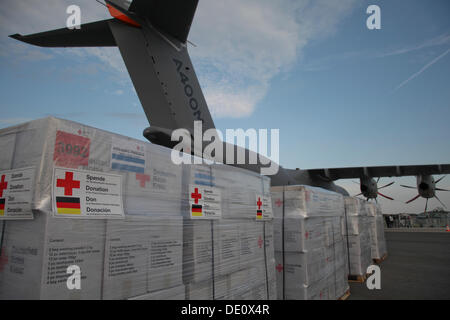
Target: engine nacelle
pixel 426 186
pixel 369 187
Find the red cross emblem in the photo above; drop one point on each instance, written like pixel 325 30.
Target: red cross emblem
pixel 279 267
pixel 278 203
pixel 3 185
pixel 259 203
pixel 196 195
pixel 260 242
pixel 143 178
pixel 68 183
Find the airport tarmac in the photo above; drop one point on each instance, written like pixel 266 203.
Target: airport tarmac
pixel 417 267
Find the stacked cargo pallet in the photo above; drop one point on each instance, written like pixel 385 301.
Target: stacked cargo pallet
pixel 376 231
pixel 231 257
pixel 114 208
pixel 356 230
pixel 310 251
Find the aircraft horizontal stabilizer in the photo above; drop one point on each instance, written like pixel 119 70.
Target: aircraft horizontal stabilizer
pixel 172 17
pixel 95 34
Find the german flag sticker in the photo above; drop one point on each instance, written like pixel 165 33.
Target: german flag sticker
pixel 2 207
pixel 197 210
pixel 68 205
pixel 258 214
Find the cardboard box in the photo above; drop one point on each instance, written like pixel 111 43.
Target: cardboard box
pixel 208 289
pixel 199 257
pixel 297 291
pixel 309 246
pixel 39 252
pixel 359 251
pixel 304 267
pixel 50 142
pixel 142 254
pixel 175 293
pixel 305 201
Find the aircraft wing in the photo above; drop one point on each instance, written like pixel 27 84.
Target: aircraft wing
pixel 332 174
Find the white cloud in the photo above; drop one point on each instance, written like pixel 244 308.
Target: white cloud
pixel 241 44
pixel 31 16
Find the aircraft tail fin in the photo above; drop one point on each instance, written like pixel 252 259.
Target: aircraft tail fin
pixel 95 34
pixel 156 57
pixel 170 17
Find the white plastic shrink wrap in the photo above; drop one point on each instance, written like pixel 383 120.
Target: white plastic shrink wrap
pixel 310 251
pixel 376 230
pixel 231 257
pixel 121 211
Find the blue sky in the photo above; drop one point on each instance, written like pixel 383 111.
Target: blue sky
pixel 341 95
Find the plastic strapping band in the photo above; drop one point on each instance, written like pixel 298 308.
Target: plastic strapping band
pixel 282 249
pixel 103 261
pixel 334 260
pixel 264 244
pixel 212 251
pixel 13 158
pixel 212 261
pixel 265 258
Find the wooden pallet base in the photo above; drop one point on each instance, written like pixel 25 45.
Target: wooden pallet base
pixel 345 295
pixel 357 278
pixel 378 261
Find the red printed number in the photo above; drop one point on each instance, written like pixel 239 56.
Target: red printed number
pixel 71 150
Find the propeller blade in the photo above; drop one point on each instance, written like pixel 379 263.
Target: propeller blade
pixel 413 199
pixel 402 185
pixel 389 184
pixel 358 194
pixel 440 201
pixel 376 201
pixel 439 189
pixel 426 205
pixel 440 179
pixel 385 196
pixel 378 179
